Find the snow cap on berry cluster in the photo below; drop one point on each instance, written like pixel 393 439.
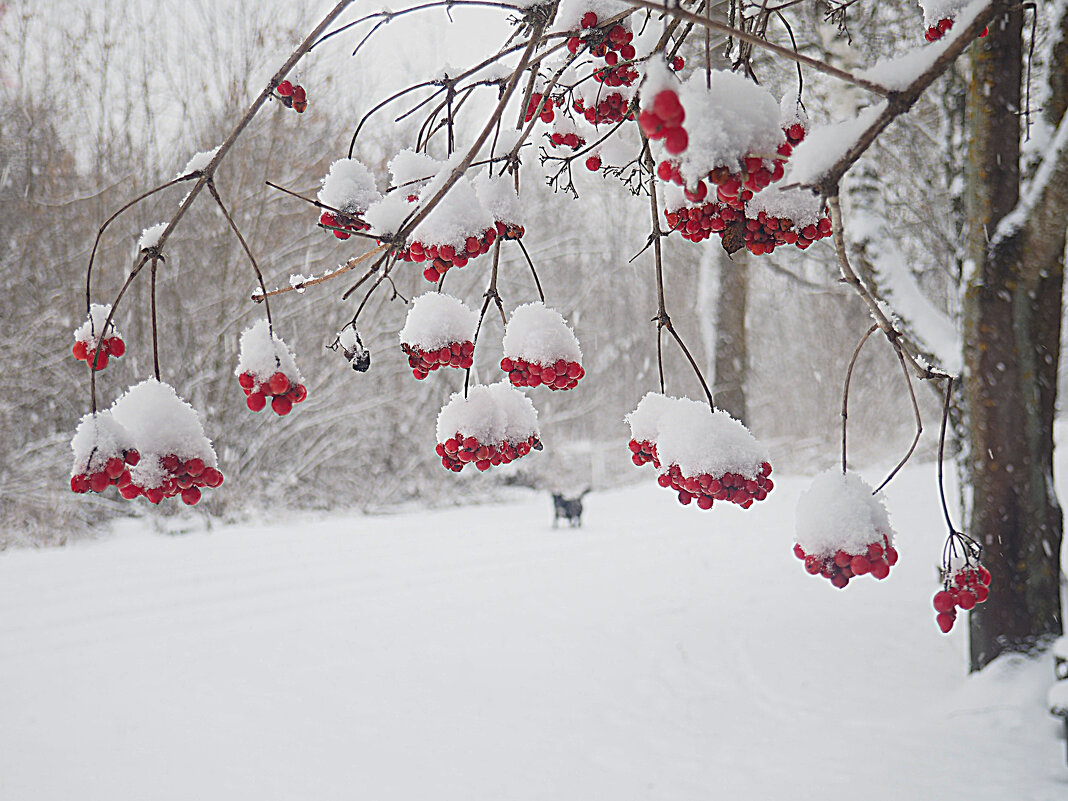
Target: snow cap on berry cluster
pixel 263 354
pixel 539 334
pixel 409 171
pixel 699 440
pixel 436 320
pixel 150 236
pixel 838 512
pixel 492 414
pixel 798 205
pixel 732 120
pixel 348 187
pixel 98 437
pixel 457 216
pixel 161 424
pixel 91 331
pixel 499 198
pixel 644 421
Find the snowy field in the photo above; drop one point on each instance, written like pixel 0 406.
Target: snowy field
pixel 660 652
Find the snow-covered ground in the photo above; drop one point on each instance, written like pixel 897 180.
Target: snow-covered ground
pixel 660 652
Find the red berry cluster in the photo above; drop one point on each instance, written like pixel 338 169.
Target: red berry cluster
pixel 184 478
pixel 707 489
pixel 560 375
pixel 424 362
pixel 109 346
pixel 697 223
pixel 294 97
pixel 458 451
pixel 968 587
pixel 764 233
pixel 937 31
pixel 282 392
pixel 572 140
pixel 342 221
pixel 840 567
pixel 664 121
pixel 611 109
pixel 114 472
pixel 643 452
pixel 613 45
pixel 445 257
pixel 547 113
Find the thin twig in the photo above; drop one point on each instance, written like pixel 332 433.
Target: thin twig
pixel 155 324
pixel 916 415
pixel 259 275
pixel 351 264
pixel 941 454
pixel 537 282
pixel 845 390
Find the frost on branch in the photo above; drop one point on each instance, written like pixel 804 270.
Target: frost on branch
pixel 703 455
pixel 266 368
pixel 90 337
pixel 843 530
pixel 198 162
pixel 493 425
pixel 150 236
pixel 438 332
pixel 540 348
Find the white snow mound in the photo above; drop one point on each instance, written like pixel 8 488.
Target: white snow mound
pixel 263 354
pixel 539 334
pixel 698 440
pixel 349 187
pixel 436 320
pixel 98 438
pixel 838 512
pixel 492 414
pixel 92 330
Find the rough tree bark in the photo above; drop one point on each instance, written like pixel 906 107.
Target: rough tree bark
pixel 732 358
pixel 1012 326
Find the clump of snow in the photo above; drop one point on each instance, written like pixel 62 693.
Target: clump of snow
pixel 732 120
pixel 1060 647
pixel 492 414
pixel 150 236
pixel 698 440
pixel 839 512
pixel 824 146
pixel 799 205
pixel 92 330
pixel 570 12
pixel 387 215
pixel 1058 698
pixel 791 112
pixel 499 198
pixel 263 353
pixel 411 170
pixel 436 320
pixel 536 333
pixel 349 187
pixel 98 438
pixel 198 162
pixel 161 424
pixel 644 421
pixel 936 10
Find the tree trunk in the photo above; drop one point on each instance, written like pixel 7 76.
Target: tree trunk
pixel 732 357
pixel 1012 312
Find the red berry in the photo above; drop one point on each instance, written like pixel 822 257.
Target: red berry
pixel 299 95
pixel 676 141
pixel 860 565
pixel 593 163
pixel 191 495
pixel 589 20
pixel 284 89
pixel 944 603
pixel 116 346
pixel 281 405
pixel 279 384
pixel 79 483
pixel 81 349
pixel 945 621
pixel 132 457
pixel 98 482
pixel 256 401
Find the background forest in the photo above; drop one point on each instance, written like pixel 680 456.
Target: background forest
pixel 100 108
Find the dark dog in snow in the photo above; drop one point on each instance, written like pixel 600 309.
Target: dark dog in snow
pixel 571 508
